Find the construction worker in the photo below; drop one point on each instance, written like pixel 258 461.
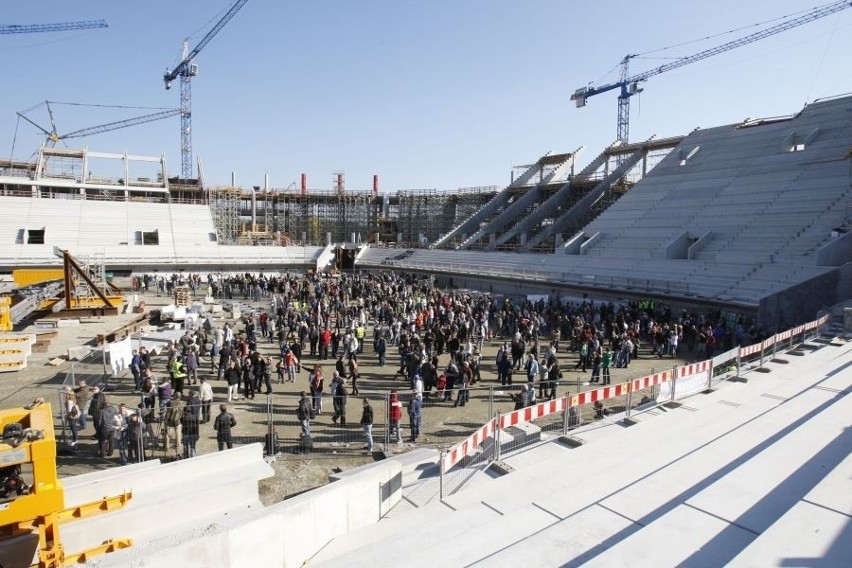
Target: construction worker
pixel 178 371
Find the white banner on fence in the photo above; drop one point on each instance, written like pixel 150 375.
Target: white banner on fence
pixel 120 353
pixel 684 386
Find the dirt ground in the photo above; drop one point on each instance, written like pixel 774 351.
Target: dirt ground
pixel 337 448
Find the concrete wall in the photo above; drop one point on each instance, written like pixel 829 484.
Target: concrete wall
pixel 836 252
pixel 286 534
pixel 801 303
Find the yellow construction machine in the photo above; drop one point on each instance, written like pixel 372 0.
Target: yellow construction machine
pixel 32 499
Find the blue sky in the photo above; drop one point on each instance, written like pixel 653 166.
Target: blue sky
pixel 426 94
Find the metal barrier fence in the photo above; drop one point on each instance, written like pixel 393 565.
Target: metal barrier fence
pixel 91 368
pixel 524 426
pixel 474 453
pixel 335 427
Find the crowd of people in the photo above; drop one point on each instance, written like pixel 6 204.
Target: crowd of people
pixel 434 339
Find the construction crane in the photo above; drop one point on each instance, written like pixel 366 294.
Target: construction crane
pixel 53 136
pixel 61 27
pixel 629 85
pixel 186 70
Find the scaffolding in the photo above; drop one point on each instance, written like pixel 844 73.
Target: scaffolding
pixel 420 216
pixel 225 209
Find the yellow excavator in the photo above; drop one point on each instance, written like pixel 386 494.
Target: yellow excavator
pixel 32 499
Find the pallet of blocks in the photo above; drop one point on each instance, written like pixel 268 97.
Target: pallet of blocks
pixel 14 350
pixel 182 296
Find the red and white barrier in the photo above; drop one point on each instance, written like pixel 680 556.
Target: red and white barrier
pixel 651 380
pixel 751 349
pixel 695 368
pixel 532 412
pixel 468 445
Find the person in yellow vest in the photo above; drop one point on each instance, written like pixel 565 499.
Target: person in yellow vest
pixel 360 334
pixel 178 372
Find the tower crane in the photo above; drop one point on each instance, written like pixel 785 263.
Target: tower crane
pixel 61 27
pixel 629 85
pixel 53 136
pixel 186 70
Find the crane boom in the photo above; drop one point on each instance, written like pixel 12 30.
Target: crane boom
pixel 629 85
pixel 186 70
pixel 60 27
pixel 120 124
pixel 188 57
pixel 53 137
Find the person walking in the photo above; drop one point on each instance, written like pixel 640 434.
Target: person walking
pixel 339 394
pixel 353 374
pixel 367 425
pixel 192 364
pixel 317 385
pixel 223 425
pixel 232 375
pixel 303 413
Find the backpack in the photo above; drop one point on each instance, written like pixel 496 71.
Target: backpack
pixel 303 411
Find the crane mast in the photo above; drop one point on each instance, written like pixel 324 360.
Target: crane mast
pixel 186 70
pixel 629 85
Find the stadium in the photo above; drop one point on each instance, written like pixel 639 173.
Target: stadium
pixel 751 218
pixel 730 448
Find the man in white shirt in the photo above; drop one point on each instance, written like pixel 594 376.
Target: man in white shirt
pixel 206 396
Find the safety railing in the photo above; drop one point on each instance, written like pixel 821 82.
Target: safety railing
pixel 524 426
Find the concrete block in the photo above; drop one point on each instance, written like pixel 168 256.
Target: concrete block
pixel 502 467
pixel 524 434
pixel 68 322
pixel 78 353
pixel 572 441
